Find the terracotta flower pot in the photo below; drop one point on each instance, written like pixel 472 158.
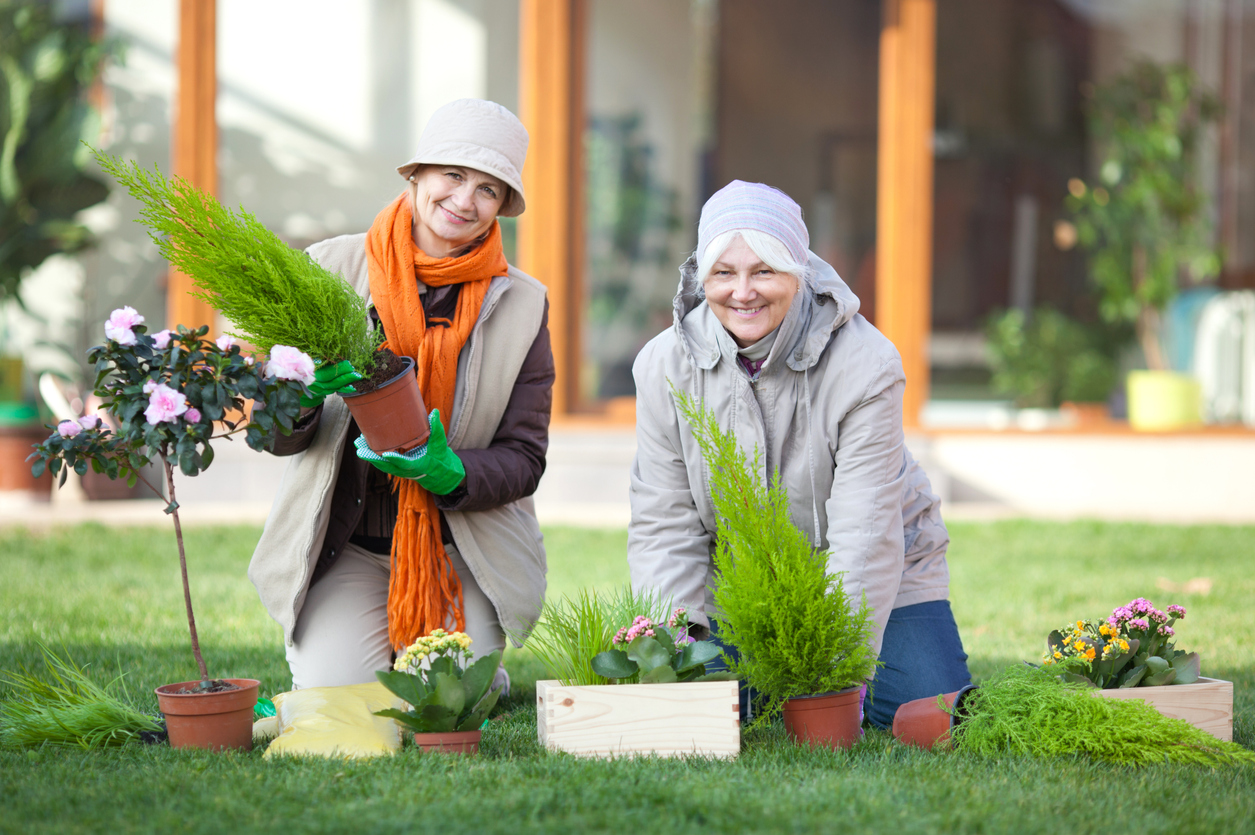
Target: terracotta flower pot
pixel 393 417
pixel 453 742
pixel 832 720
pixel 215 721
pixel 924 723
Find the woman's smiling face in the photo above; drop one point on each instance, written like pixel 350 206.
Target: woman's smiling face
pixel 749 298
pixel 453 206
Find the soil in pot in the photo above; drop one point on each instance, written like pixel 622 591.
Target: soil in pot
pixel 387 366
pixel 925 723
pixel 215 720
pixel 453 742
pixel 392 417
pixel 833 720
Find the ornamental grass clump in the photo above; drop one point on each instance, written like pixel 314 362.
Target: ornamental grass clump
pixel 65 707
pixel 273 294
pixel 572 631
pixel 1029 710
pixel 796 629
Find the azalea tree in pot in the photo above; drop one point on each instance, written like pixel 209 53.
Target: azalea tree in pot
pixel 166 397
pixel 802 642
pixel 276 295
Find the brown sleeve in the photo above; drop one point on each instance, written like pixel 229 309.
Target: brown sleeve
pixel 302 436
pixel 512 464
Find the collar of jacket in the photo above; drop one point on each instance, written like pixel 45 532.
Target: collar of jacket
pixel 813 318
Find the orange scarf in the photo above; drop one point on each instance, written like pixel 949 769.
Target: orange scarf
pixel 424 589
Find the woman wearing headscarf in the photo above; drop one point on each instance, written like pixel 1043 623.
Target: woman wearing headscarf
pixel 768 336
pixel 365 552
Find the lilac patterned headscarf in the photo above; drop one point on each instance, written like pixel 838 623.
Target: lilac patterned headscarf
pixel 742 205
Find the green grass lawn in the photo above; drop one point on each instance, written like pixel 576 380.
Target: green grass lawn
pixel 111 598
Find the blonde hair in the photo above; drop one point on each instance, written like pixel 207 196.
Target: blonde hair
pixel 770 250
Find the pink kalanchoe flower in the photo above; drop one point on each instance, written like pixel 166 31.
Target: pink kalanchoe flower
pixel 1176 611
pixel 69 428
pixel 164 405
pixel 192 415
pixel 1139 623
pixel 224 342
pixel 1166 630
pixel 89 421
pixel 120 323
pixel 288 363
pixel 1158 616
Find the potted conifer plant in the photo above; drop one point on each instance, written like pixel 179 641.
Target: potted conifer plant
pixel 276 295
pixel 801 641
pixel 170 394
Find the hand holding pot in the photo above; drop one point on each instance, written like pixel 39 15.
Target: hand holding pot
pixel 330 379
pixel 433 465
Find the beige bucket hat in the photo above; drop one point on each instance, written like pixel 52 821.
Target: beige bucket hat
pixel 476 134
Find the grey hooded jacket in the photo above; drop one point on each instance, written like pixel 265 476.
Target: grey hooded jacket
pixel 826 411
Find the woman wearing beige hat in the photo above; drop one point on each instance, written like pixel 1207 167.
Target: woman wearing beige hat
pixel 363 553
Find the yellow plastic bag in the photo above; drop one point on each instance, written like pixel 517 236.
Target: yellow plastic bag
pixel 337 722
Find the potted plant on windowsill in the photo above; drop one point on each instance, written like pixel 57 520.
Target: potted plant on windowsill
pixel 170 394
pixel 276 295
pixel 628 680
pixel 448 703
pixel 802 643
pixel 1145 221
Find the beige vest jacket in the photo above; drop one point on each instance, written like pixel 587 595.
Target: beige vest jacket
pixel 503 546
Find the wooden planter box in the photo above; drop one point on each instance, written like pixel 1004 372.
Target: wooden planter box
pixel 1205 704
pixel 613 720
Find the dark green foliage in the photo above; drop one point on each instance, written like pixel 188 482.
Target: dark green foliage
pixel 1026 710
pixel 46 65
pixel 796 629
pixel 444 698
pixel 1048 358
pixel 273 294
pixel 660 658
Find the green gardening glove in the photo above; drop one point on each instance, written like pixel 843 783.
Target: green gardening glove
pixel 433 465
pixel 330 379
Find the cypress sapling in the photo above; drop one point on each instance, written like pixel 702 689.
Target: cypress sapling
pixel 796 629
pixel 272 293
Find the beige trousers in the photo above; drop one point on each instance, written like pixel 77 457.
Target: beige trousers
pixel 341 634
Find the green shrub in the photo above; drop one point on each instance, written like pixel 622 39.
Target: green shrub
pixel 1048 358
pixel 797 631
pixel 274 294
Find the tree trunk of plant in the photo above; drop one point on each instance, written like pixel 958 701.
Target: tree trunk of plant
pixel 187 590
pixel 1149 328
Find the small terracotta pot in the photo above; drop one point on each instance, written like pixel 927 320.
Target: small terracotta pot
pixel 832 720
pixel 924 723
pixel 216 721
pixel 453 742
pixel 393 417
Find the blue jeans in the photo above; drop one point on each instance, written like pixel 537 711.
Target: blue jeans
pixel 922 654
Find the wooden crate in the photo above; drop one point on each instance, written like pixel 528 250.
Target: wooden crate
pixel 624 719
pixel 1206 703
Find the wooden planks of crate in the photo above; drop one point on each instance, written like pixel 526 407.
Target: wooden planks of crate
pixel 613 720
pixel 1206 703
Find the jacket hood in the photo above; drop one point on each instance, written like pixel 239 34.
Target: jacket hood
pixel 821 307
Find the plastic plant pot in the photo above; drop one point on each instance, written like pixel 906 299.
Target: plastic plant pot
pixel 453 742
pixel 393 417
pixel 925 723
pixel 832 720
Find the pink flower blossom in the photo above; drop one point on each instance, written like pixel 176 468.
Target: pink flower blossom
pixel 224 342
pixel 192 415
pixel 149 385
pixel 1166 631
pixel 161 339
pixel 1139 623
pixel 69 428
pixel 89 421
pixel 120 323
pixel 248 360
pixel 288 363
pixel 164 405
pixel 1176 611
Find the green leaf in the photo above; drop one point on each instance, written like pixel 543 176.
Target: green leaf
pixel 409 688
pixel 479 676
pixel 206 457
pixel 1159 679
pixel 436 719
pixel 477 716
pixel 38 468
pixel 447 692
pixel 1186 667
pixel 1133 677
pixel 443 664
pixel 411 720
pixel 721 675
pixel 662 674
pixel 696 654
pixel 1156 665
pixel 649 653
pixel 1055 640
pixel 614 663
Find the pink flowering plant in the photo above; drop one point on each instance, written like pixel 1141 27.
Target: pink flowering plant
pixel 654 653
pixel 167 396
pixel 1132 648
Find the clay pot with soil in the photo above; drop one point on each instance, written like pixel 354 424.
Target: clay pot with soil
pixel 217 717
pixel 452 742
pixel 928 722
pixel 388 406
